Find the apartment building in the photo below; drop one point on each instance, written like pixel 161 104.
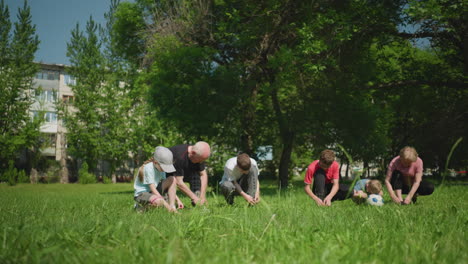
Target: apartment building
pixel 52 83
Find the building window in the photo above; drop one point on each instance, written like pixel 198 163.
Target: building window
pixel 51 117
pixel 68 99
pixel 48 75
pixel 69 80
pixel 46 96
pixel 35 115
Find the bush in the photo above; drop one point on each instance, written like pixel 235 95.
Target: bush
pixel 106 180
pixel 22 177
pixel 84 177
pixel 12 176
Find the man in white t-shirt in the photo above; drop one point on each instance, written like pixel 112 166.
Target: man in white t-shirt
pixel 241 178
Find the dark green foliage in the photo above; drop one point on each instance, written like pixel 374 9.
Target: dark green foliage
pixel 17 49
pixel 84 177
pixel 189 89
pixel 127 31
pixel 106 180
pixel 301 76
pixel 22 177
pixel 13 176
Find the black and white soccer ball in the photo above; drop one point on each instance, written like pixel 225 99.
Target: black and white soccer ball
pixel 375 199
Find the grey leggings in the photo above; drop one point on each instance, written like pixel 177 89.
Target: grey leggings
pixel 247 182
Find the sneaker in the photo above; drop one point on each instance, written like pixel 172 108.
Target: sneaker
pixel 230 198
pixel 138 208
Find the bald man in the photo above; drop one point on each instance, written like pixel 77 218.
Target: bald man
pixel 190 167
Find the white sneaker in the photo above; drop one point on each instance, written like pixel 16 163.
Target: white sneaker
pixel 138 208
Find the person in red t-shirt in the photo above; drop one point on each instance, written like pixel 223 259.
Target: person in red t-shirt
pixel 323 175
pixel 404 176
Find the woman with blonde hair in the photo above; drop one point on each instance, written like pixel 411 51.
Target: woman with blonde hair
pixel 404 176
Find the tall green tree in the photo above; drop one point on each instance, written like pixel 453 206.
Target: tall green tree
pixel 286 58
pixel 83 120
pixel 424 86
pixel 109 120
pixel 292 72
pixel 17 70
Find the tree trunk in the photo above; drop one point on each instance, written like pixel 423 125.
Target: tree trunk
pixel 287 139
pixel 33 176
pixel 63 160
pixel 288 142
pixel 248 122
pixel 365 170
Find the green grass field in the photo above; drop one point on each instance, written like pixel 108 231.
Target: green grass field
pixel 96 224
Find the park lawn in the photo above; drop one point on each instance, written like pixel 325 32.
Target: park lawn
pixel 73 223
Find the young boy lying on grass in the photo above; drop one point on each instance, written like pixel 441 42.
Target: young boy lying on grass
pixel 366 187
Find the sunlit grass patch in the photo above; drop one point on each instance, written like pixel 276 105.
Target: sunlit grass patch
pixel 96 224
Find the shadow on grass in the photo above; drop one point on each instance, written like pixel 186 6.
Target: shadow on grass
pixel 121 192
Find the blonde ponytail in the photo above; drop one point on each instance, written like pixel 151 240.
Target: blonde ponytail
pixel 142 168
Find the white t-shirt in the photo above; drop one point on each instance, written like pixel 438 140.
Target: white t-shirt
pixel 150 175
pixel 233 173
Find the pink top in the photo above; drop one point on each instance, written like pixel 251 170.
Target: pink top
pixel 331 173
pixel 410 171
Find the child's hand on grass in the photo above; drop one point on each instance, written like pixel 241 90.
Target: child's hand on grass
pixel 319 202
pixel 180 205
pixel 396 200
pixel 407 201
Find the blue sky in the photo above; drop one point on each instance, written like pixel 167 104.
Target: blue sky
pixel 54 20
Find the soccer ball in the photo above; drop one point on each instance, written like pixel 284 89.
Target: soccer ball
pixel 375 199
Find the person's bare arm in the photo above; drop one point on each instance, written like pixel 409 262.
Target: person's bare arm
pixel 204 186
pixel 159 201
pixel 334 190
pixel 180 205
pixel 310 193
pixel 390 190
pixel 257 193
pixel 154 191
pixel 246 196
pixel 185 189
pixel 414 188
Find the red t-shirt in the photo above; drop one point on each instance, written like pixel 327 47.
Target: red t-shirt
pixel 331 173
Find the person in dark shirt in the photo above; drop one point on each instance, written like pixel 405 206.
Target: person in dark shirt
pixel 190 167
